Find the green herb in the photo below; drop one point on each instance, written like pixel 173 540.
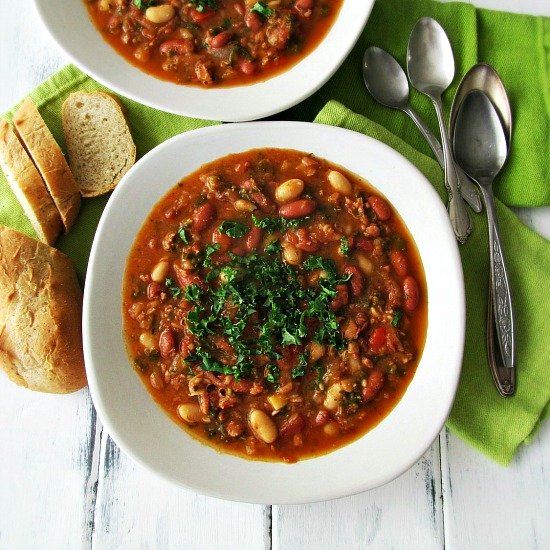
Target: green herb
pixel 209 250
pixel 344 246
pixel 275 224
pixel 273 373
pixel 397 315
pixel 174 289
pixel 201 5
pixel 233 229
pixel 273 247
pixel 300 369
pixel 262 8
pixel 143 4
pixel 183 235
pixel 193 293
pixel 325 10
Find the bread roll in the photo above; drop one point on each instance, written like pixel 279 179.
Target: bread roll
pixel 28 187
pixel 99 143
pixel 49 160
pixel 40 316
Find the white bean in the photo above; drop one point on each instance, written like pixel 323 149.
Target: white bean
pixel 365 265
pixel 262 426
pixel 291 254
pixel 159 272
pixel 289 190
pixel 160 14
pixel 339 182
pixel 190 412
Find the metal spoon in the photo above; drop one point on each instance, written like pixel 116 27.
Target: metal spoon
pixel 481 149
pixel 430 65
pixel 484 78
pixel 388 84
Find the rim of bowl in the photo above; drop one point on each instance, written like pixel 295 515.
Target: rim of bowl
pixel 446 262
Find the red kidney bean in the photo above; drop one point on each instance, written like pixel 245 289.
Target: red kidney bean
pixel 239 8
pixel 222 239
pixel 297 209
pixel 221 39
pixel 292 425
pixel 322 418
pixel 364 244
pixel 356 281
pixel 253 21
pixel 412 294
pixel 377 338
pixel 202 16
pixel 175 47
pixel 399 262
pixel 380 207
pixel 203 216
pixel 375 382
pixel 247 67
pixel 253 238
pixel 167 343
pixel 341 299
pixel 304 4
pixel 187 346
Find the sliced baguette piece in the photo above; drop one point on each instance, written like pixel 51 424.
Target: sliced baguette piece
pixel 99 143
pixel 28 186
pixel 40 316
pixel 48 158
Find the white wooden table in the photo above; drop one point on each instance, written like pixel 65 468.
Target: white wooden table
pixel 64 483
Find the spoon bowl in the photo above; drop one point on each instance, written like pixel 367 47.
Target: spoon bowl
pixel 385 79
pixel 484 78
pixel 430 60
pixel 430 65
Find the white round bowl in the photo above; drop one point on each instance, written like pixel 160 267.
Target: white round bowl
pixel 70 26
pixel 148 435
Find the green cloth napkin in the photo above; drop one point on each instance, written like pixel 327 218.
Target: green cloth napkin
pixel 149 127
pixel 519 48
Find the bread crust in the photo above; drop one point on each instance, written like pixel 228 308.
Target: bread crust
pixel 89 137
pixel 28 186
pixel 40 316
pixel 50 161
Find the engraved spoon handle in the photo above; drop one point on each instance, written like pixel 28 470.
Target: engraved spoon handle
pixel 460 219
pixel 501 297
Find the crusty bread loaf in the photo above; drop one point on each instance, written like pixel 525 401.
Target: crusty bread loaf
pixel 27 185
pixel 99 143
pixel 40 316
pixel 49 159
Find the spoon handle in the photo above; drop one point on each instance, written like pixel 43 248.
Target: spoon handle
pixel 501 297
pixel 503 377
pixel 467 187
pixel 460 219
